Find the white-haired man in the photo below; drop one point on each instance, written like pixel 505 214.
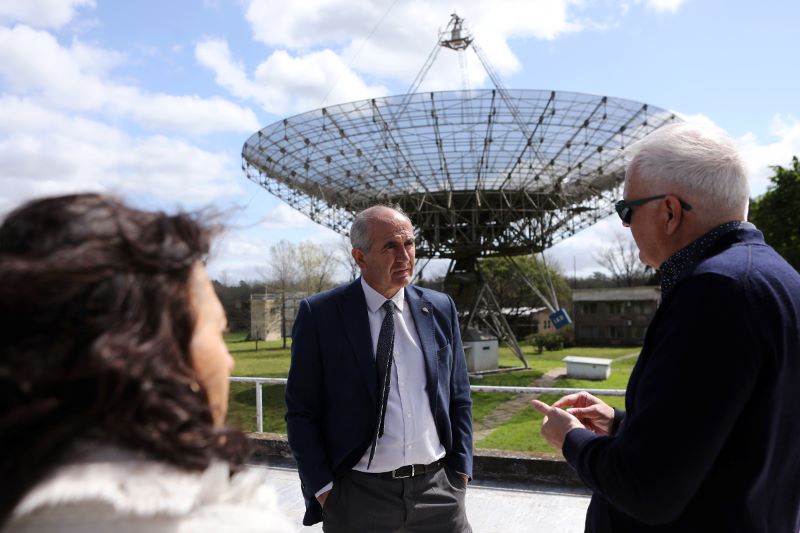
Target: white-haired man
pixel 710 435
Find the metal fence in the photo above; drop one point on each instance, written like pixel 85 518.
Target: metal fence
pixel 473 388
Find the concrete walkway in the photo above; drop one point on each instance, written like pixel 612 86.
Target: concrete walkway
pixel 507 410
pixel 492 507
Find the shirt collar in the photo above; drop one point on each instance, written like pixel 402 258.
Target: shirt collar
pixel 375 299
pixel 687 257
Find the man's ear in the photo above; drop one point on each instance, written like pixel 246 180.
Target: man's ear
pixel 358 257
pixel 674 213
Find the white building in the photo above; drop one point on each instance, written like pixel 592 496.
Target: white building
pixel 271 314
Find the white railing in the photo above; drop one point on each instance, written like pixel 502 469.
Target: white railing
pixel 474 388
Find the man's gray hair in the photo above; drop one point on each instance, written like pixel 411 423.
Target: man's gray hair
pixel 359 230
pixel 701 161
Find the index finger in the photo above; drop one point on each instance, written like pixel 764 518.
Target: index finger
pixel 541 406
pixel 569 399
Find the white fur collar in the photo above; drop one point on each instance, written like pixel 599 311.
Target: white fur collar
pixel 133 484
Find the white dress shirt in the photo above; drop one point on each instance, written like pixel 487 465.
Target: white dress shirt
pixel 409 435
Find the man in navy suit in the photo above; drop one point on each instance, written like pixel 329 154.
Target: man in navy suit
pixel 379 414
pixel 710 436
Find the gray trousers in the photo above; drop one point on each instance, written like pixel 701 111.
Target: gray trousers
pixel 365 503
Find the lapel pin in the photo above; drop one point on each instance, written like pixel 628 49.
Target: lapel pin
pixel 425 310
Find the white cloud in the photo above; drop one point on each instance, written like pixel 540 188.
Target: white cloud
pixel 44 152
pixel 699 119
pixel 404 38
pixel 299 25
pixel 310 23
pixel 664 6
pixel 73 78
pixel 284 83
pixel 41 13
pixel 576 255
pixel 759 156
pixel 284 217
pixel 324 50
pixel 238 254
pixel 190 114
pixel 241 253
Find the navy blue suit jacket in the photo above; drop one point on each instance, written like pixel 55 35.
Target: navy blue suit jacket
pixel 711 436
pixel 331 393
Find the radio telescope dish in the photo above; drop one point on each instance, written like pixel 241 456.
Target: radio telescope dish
pixel 477 180
pixel 488 172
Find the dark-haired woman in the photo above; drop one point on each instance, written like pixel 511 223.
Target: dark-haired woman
pixel 114 377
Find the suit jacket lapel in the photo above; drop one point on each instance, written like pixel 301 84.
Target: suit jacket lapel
pixel 353 307
pixel 422 311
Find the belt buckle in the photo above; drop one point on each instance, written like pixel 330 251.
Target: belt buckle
pixel 396 475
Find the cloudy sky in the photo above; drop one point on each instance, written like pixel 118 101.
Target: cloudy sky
pixel 152 100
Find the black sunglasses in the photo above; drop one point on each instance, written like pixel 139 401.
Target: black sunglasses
pixel 625 207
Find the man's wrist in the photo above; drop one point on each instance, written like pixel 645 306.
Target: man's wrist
pixel 328 486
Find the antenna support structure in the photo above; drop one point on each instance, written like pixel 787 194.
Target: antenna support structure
pixel 490 172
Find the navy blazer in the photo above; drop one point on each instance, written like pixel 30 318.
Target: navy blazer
pixel 331 393
pixel 711 436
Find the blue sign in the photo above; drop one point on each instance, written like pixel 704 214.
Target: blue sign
pixel 560 318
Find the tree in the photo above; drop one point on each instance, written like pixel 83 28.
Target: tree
pixel 305 267
pixel 283 275
pixel 621 259
pixel 316 265
pixel 511 290
pixel 345 258
pixel 236 301
pixel 777 215
pixel 431 281
pixel 283 264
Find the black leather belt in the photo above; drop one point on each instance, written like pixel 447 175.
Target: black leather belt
pixel 410 470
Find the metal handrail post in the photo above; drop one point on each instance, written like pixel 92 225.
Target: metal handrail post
pixel 259 410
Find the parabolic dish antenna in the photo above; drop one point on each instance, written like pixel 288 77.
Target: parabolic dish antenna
pixel 487 172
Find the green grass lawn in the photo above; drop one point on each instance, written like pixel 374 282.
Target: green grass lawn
pixel 269 361
pixel 520 433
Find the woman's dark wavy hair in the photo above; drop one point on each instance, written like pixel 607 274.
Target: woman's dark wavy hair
pixel 95 325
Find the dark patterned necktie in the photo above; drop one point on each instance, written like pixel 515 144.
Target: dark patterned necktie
pixel 383 361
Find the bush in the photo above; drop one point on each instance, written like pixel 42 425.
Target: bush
pixel 567 333
pixel 547 341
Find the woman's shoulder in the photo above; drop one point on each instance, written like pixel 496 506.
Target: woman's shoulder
pixel 108 486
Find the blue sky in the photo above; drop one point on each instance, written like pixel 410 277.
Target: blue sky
pixel 152 100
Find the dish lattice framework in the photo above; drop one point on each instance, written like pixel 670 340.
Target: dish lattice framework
pixel 480 172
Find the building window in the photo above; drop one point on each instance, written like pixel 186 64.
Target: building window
pixel 615 308
pixel 589 308
pixel 589 332
pixel 615 332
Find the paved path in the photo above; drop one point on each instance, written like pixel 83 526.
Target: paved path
pixel 506 410
pixel 491 507
pixel 624 357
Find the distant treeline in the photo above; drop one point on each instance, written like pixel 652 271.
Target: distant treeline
pixel 236 301
pixel 235 298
